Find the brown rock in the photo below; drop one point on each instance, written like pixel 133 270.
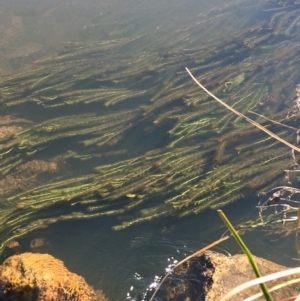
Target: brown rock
pixel 41 277
pixel 10 125
pixel 211 276
pixel 235 270
pixel 25 175
pixel 37 242
pixel 13 245
pixel 12 248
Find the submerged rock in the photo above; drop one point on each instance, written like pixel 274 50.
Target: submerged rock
pixel 37 242
pixel 9 125
pixel 211 276
pixel 41 277
pixel 26 175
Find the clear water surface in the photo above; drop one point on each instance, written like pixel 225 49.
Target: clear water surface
pixel 122 263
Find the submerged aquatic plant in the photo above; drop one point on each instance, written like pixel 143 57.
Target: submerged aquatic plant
pixel 193 153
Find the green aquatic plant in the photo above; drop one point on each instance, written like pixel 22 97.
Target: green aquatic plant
pixel 134 135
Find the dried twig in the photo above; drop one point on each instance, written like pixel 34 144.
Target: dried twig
pixel 243 116
pixel 275 122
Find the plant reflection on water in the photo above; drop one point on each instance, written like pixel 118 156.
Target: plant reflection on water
pixel 172 149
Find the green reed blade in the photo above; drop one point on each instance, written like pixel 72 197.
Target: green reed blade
pixel 247 253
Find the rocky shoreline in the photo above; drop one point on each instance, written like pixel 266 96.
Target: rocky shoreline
pixel 212 275
pixel 41 277
pixel 209 277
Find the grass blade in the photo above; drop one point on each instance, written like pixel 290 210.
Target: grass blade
pixel 274 288
pixel 247 252
pixel 256 281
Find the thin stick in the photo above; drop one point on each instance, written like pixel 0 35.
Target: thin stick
pixel 242 115
pixel 275 122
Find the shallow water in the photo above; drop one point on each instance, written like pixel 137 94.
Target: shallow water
pixel 125 264
pixel 122 263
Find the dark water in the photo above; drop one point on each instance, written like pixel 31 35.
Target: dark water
pixel 125 263
pixel 122 263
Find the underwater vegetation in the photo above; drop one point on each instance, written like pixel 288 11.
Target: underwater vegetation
pixel 151 143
